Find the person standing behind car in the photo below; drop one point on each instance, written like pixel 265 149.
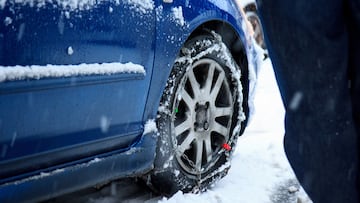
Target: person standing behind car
pixel 315 50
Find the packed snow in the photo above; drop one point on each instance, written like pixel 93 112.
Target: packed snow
pixel 96 160
pixel 10 73
pixel 260 172
pixel 41 175
pixel 66 4
pixel 178 15
pixel 150 126
pixel 70 51
pixel 245 2
pixel 142 6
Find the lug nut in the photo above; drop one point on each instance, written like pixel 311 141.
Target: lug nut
pixel 206 125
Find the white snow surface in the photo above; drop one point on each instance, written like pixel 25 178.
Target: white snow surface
pixel 259 164
pixel 246 2
pixel 39 176
pixel 10 73
pixel 140 5
pixel 150 126
pixel 178 15
pixel 70 50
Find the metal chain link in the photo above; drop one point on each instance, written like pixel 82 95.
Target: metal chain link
pixel 192 164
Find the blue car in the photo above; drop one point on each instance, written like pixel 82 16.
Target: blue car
pixel 96 90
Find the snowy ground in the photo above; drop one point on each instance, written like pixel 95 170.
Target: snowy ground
pixel 260 172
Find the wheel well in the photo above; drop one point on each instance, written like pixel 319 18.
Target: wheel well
pixel 229 37
pixel 237 49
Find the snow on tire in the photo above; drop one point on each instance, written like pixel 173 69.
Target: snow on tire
pixel 199 118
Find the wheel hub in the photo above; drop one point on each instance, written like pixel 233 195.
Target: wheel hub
pixel 202 117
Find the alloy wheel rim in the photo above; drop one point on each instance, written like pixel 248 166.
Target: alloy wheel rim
pixel 203 109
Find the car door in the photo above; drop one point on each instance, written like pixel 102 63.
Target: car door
pixel 74 79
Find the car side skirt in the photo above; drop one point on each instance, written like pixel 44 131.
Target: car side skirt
pixel 137 160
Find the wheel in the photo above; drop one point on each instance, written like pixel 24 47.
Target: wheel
pixel 200 117
pixel 253 18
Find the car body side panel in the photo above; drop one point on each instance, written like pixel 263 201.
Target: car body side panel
pixel 50 116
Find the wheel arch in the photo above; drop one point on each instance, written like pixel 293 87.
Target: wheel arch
pixel 229 36
pixel 234 42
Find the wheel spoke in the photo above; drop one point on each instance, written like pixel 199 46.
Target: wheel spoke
pixel 186 144
pixel 194 84
pixel 188 100
pixel 185 125
pixel 208 149
pixel 216 89
pixel 210 78
pixel 223 111
pixel 220 129
pixel 199 152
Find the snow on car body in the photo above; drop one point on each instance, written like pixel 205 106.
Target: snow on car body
pixel 79 80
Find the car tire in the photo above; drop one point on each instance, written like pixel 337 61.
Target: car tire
pixel 200 117
pixel 253 18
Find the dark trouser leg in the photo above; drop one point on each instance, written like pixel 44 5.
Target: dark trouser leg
pixel 308 45
pixel 353 12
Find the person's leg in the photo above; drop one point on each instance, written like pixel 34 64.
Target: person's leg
pixel 354 63
pixel 308 45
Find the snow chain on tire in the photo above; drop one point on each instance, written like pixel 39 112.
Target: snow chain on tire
pixel 168 175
